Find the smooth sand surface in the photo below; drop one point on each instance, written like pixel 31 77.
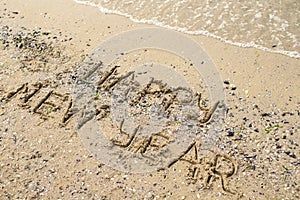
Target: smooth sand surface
pixel 42 157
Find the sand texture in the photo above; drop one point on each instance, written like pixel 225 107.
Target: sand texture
pixel 43 45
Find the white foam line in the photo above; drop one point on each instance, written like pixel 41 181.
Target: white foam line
pixel 293 54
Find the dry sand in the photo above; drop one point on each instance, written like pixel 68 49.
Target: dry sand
pixel 42 157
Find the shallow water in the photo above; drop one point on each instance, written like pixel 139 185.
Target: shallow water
pixel 270 25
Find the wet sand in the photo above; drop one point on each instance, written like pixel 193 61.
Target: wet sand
pixel 43 43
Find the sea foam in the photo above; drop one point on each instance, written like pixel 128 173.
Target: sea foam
pixel 189 30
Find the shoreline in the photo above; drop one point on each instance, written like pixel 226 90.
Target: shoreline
pixel 292 54
pixel 42 156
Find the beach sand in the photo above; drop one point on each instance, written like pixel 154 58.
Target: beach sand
pixel 42 156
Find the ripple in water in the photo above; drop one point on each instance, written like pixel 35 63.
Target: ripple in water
pixel 270 25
